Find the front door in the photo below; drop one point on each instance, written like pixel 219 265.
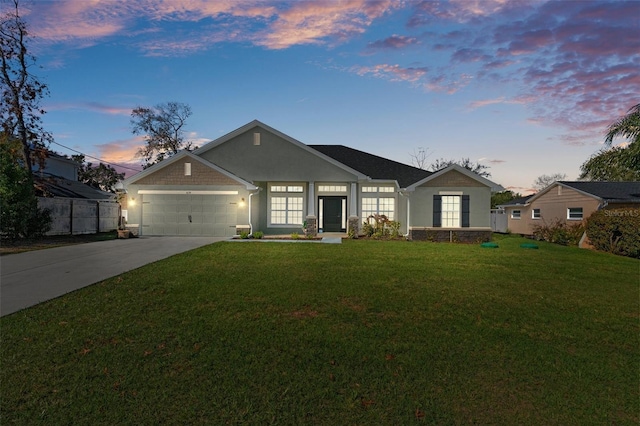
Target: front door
pixel 332 211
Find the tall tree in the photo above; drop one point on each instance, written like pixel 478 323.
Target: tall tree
pixel 102 176
pixel 477 168
pixel 20 216
pixel 543 181
pixel 503 197
pixel 620 163
pixel 419 157
pixel 21 91
pixel 627 126
pixel 163 129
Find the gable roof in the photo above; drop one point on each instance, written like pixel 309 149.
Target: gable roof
pixel 494 186
pixel 257 123
pixel 132 179
pixel 372 165
pixel 611 192
pixel 621 192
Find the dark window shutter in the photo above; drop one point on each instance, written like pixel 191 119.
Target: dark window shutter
pixel 465 211
pixel 437 211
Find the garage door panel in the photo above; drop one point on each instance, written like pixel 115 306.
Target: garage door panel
pixel 168 214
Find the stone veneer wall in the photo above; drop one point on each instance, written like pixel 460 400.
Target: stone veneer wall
pixel 312 226
pixel 450 235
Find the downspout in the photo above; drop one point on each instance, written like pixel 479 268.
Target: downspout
pixel 408 212
pixel 251 194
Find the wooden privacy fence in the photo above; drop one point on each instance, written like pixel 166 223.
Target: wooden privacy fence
pixel 72 216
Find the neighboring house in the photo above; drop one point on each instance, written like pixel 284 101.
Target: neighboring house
pixel 569 202
pixel 258 178
pixel 59 178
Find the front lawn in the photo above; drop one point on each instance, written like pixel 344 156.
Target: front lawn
pixel 366 332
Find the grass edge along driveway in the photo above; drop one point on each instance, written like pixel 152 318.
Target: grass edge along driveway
pixel 366 332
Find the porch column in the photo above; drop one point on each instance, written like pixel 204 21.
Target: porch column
pixel 353 224
pixel 311 219
pixel 311 201
pixel 353 204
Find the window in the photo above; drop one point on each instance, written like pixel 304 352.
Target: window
pixel 378 189
pixel 535 214
pixel 384 206
pixel 450 211
pixel 574 213
pixel 332 188
pixel 515 214
pixel 286 210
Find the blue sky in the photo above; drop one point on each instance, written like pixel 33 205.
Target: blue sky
pixel 524 87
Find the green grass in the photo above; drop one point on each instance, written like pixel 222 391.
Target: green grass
pixel 366 332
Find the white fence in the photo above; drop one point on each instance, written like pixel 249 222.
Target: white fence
pixel 72 216
pixel 499 221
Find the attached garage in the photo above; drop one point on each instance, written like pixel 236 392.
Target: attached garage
pixel 197 213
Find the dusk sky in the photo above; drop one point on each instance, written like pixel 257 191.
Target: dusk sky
pixel 524 87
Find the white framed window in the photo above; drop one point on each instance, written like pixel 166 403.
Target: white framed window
pixel 535 214
pixel 284 207
pixel 382 205
pixel 378 189
pixel 451 211
pixel 574 213
pixel 286 210
pixel 515 214
pixel 332 188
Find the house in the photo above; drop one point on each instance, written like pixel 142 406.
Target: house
pixel 258 178
pixel 569 202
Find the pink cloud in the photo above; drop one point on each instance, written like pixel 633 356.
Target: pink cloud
pixel 393 42
pixel 91 106
pixel 392 72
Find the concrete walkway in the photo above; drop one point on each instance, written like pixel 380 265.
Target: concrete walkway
pixel 27 279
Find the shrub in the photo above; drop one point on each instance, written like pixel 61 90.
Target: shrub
pixel 560 233
pixel 615 231
pixel 295 236
pixel 258 235
pixel 244 235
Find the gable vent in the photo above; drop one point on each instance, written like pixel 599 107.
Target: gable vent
pixel 256 139
pixel 187 169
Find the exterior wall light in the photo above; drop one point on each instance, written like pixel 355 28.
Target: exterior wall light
pixel 242 203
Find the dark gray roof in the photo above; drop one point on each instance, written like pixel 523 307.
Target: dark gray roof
pixel 517 201
pixel 373 166
pixel 48 185
pixel 617 192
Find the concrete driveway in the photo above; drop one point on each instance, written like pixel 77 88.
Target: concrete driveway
pixel 27 279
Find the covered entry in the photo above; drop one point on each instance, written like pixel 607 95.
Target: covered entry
pixel 206 213
pixel 332 214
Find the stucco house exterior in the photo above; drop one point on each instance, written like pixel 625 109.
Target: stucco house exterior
pixel 257 178
pixel 569 202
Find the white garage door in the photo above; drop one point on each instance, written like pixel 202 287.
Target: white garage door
pixel 189 214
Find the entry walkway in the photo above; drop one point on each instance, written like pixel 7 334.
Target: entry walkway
pixel 27 279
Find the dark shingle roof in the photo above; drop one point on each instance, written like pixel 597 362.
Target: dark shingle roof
pixel 373 166
pixel 626 192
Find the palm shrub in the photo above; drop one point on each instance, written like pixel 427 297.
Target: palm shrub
pixel 615 231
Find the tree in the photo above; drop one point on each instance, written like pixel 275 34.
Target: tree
pixel 20 216
pixel 419 157
pixel 20 110
pixel 543 181
pixel 503 197
pixel 613 164
pixel 103 177
pixel 162 127
pixel 620 163
pixel 477 168
pixel 627 126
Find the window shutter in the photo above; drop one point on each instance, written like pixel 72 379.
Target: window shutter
pixel 465 211
pixel 437 211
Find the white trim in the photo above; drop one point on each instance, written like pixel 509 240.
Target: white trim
pixel 176 192
pixel 494 186
pixel 450 193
